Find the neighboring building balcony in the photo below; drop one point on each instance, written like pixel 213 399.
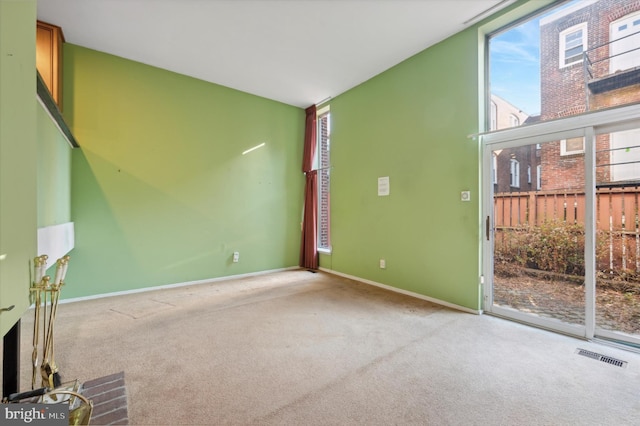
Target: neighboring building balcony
pixel 615 81
pixel 613 66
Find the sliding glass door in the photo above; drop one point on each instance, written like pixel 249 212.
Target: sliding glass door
pixel 562 226
pixel 537 230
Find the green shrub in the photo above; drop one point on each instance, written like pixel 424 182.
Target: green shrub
pixel 510 246
pixel 556 246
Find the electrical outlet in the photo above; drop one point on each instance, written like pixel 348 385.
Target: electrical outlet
pixel 465 196
pixel 383 264
pixel 236 256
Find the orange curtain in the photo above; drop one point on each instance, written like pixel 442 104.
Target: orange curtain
pixel 309 246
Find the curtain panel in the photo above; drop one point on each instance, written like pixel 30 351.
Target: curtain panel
pixel 309 245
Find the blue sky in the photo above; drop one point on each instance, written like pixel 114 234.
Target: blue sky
pixel 514 58
pixel 515 66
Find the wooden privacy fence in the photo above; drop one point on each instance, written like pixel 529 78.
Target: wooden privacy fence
pixel 617 219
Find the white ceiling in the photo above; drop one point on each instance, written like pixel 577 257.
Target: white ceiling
pixel 299 52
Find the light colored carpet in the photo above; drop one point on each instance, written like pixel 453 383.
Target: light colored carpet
pixel 293 348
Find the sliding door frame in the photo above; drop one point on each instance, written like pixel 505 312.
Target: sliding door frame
pixel 586 125
pixel 580 330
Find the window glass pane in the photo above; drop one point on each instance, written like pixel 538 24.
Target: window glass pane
pixel 494 170
pixel 573 56
pixel 618 158
pixel 515 173
pixel 539 240
pixel 574 39
pixel 536 69
pixel 617 217
pixel 324 162
pixel 576 51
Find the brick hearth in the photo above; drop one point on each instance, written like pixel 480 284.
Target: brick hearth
pixel 109 396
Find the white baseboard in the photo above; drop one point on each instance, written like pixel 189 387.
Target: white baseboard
pixel 405 292
pixel 166 286
pixel 253 274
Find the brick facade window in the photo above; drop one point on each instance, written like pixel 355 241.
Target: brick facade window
pixel 572 44
pixel 515 173
pixel 494 169
pixel 572 146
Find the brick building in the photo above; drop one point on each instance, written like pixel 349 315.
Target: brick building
pixel 590 59
pixel 514 169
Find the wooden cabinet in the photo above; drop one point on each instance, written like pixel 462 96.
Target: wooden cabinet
pixel 49 39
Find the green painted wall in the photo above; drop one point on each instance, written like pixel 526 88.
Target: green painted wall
pixel 410 123
pixel 54 173
pixel 161 192
pixel 17 156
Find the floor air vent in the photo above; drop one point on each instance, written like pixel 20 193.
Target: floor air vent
pixel 603 358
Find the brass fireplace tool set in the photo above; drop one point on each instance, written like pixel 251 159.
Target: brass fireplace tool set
pixel 44 289
pixel 46 297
